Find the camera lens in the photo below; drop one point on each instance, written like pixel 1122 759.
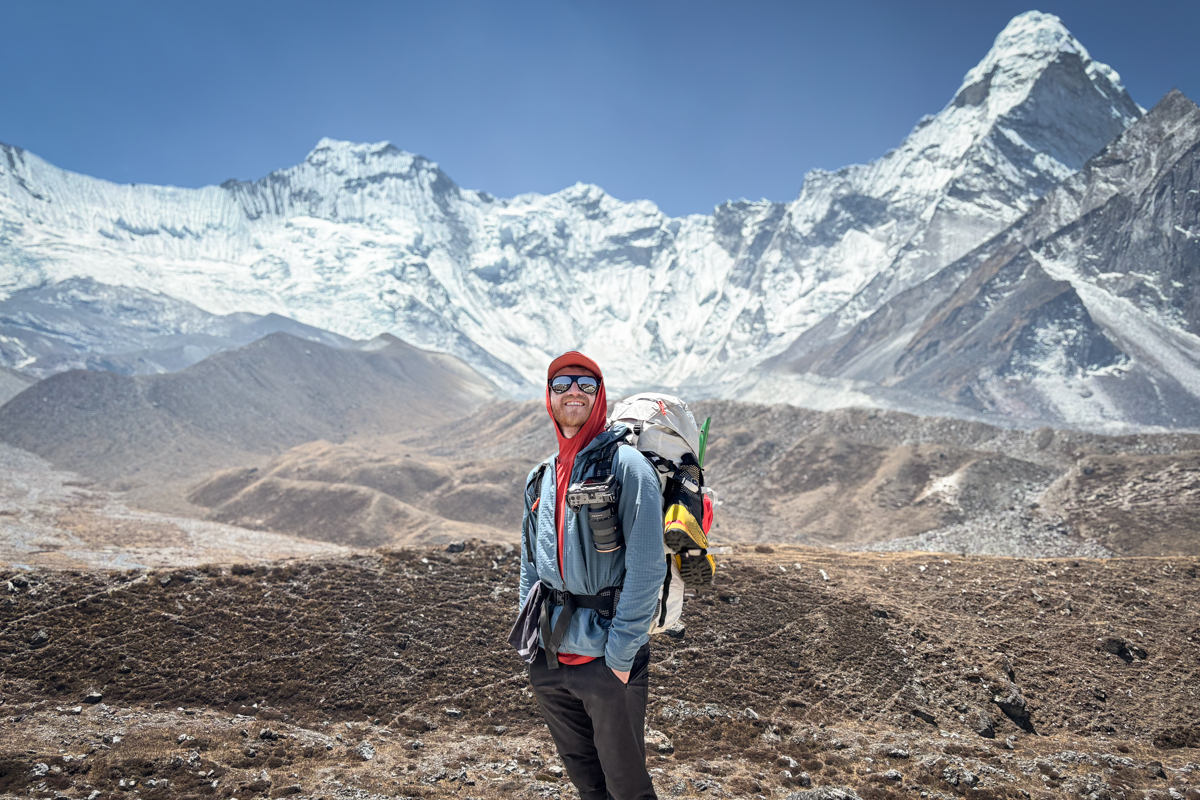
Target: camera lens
pixel 605 535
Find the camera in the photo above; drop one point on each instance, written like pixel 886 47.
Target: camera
pixel 600 497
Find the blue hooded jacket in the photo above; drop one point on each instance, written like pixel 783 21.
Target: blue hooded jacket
pixel 639 567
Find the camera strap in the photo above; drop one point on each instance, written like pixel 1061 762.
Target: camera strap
pixel 604 459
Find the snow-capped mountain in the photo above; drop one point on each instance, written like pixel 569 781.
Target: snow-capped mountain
pixel 1084 311
pixel 365 238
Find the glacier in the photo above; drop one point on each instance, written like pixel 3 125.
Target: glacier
pixel 362 239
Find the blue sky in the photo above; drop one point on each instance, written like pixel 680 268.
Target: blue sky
pixel 684 103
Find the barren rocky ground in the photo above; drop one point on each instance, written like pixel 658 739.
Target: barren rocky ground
pixel 386 675
pixel 257 653
pixel 50 518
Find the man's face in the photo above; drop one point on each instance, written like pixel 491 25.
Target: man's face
pixel 572 408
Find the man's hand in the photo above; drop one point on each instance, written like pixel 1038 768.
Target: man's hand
pixel 623 677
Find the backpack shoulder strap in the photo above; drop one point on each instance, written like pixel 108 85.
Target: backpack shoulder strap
pixel 603 458
pixel 533 494
pixel 533 489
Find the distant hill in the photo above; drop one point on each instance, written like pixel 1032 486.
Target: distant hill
pixel 852 479
pixel 387 493
pixel 12 383
pixel 235 407
pixel 863 479
pixel 80 323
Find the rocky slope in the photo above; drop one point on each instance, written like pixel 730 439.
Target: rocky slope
pixel 1085 310
pixel 851 479
pixel 360 239
pixel 851 676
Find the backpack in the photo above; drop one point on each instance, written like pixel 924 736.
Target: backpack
pixel 663 429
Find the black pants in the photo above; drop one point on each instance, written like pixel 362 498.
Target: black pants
pixel 598 724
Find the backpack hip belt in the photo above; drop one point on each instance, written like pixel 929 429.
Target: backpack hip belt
pixel 603 603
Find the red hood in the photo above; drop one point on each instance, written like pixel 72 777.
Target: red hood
pixel 569 448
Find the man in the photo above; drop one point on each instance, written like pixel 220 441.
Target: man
pixel 590 675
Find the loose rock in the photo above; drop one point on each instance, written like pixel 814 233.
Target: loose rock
pixel 826 793
pixel 658 741
pixel 981 722
pixel 1007 696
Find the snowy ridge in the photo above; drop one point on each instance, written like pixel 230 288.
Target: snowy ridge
pixel 1026 117
pixel 1084 312
pixel 361 239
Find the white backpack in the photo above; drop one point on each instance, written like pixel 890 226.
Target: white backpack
pixel 663 429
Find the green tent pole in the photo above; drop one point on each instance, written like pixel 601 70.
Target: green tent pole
pixel 704 439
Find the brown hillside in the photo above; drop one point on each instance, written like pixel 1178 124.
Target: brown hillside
pixel 854 478
pixel 851 479
pixel 58 520
pixel 234 408
pixel 1137 505
pixel 369 495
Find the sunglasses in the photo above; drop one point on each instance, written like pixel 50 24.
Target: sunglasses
pixel 562 384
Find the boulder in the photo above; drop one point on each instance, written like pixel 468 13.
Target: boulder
pixel 959 776
pixel 981 722
pixel 1123 649
pixel 1008 698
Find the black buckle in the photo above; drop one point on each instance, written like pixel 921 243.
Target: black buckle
pixel 610 596
pixel 603 602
